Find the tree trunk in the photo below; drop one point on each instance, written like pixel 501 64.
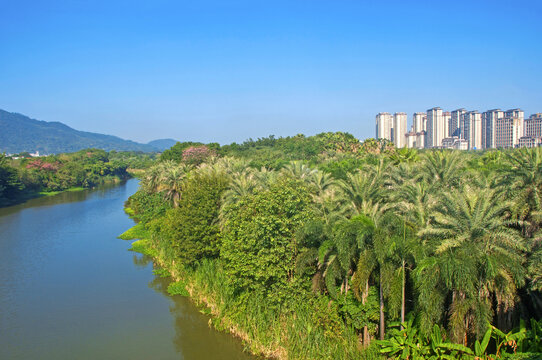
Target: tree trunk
pixel 366 338
pixel 381 310
pixel 403 297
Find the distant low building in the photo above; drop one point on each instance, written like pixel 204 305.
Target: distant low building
pixel 454 142
pixel 420 140
pixel 411 140
pixel 527 141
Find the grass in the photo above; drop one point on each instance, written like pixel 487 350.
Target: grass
pixel 177 288
pixel 129 211
pixel 137 173
pixel 161 272
pixel 51 193
pixel 296 333
pixel 137 231
pixel 144 247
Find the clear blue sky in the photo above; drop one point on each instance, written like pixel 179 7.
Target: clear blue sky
pixel 229 70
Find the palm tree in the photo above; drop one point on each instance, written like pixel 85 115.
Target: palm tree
pixel 475 256
pixel 299 170
pixel 151 179
pixel 442 168
pixel 171 181
pixel 242 184
pixel 415 200
pixel 521 180
pixel 366 187
pixel 404 155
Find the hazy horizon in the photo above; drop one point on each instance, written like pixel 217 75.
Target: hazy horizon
pixel 225 72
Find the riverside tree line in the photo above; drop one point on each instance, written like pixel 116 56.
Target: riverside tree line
pixel 325 247
pixel 23 176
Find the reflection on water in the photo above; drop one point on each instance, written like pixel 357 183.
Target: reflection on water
pixel 194 337
pixel 141 261
pixel 69 289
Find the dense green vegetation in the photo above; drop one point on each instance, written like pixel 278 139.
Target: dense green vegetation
pixel 28 177
pixel 326 248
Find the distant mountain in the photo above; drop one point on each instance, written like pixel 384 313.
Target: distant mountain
pixel 162 144
pixel 20 133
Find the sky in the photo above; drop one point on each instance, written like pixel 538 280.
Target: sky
pixel 225 71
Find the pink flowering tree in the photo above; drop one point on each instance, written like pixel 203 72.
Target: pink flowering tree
pixel 196 155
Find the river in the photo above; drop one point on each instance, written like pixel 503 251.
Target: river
pixel 69 289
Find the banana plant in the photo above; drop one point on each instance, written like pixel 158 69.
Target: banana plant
pixel 510 340
pixel 407 343
pixel 481 347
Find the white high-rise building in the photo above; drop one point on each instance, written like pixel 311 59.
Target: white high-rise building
pixel 533 126
pixel 489 119
pixel 436 128
pixel 454 127
pixel 384 126
pixel 508 131
pixel 399 129
pixel 471 129
pixel 447 117
pixel 515 113
pixel 419 122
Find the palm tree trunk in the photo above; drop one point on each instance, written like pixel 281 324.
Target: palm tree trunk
pixel 366 339
pixel 381 309
pixel 403 296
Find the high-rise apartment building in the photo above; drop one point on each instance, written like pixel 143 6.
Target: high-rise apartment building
pixel 447 117
pixel 508 131
pixel 461 129
pixel 384 126
pixel 454 126
pixel 488 127
pixel 399 129
pixel 471 129
pixel 436 128
pixel 515 113
pixel 392 127
pixel 419 122
pixel 533 126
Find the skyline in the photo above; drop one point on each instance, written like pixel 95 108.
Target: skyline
pixel 228 72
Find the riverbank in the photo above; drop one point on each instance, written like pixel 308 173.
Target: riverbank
pixel 303 329
pixel 38 194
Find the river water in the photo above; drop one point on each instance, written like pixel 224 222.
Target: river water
pixel 69 289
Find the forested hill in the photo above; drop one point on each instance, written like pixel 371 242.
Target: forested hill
pixel 19 133
pixel 162 144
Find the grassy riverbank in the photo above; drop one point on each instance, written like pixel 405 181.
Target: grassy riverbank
pixel 51 193
pixel 297 333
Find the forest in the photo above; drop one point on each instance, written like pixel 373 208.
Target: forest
pixel 324 247
pixel 27 177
